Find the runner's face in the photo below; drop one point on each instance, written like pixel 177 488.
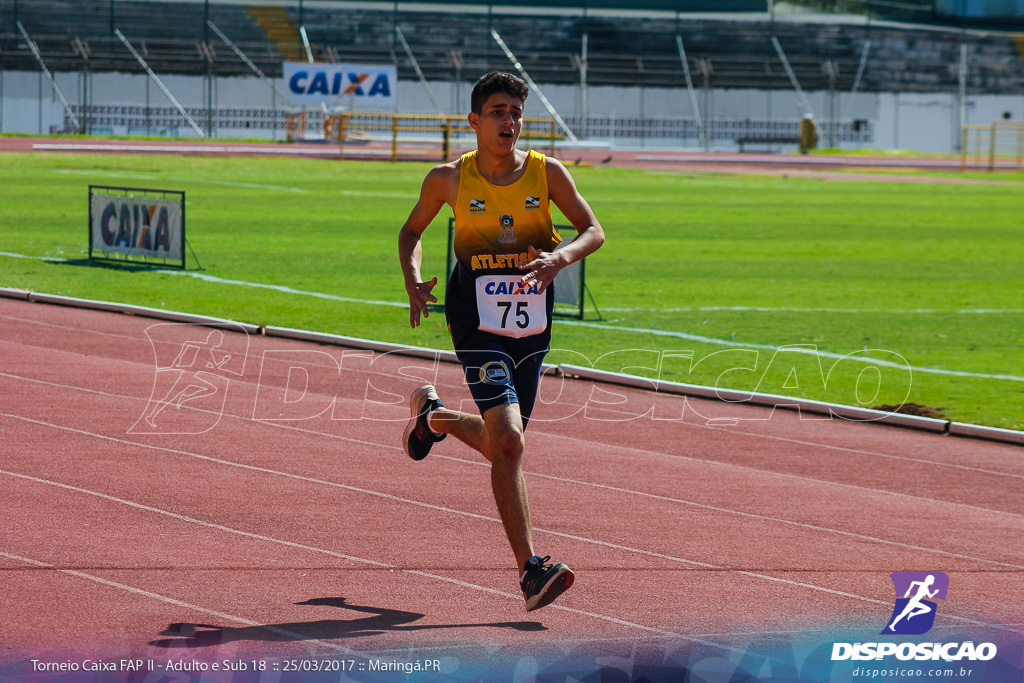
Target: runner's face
pixel 500 121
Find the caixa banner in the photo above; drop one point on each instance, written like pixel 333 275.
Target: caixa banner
pixel 359 85
pixel 138 225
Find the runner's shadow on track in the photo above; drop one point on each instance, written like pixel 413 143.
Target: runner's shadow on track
pixel 185 635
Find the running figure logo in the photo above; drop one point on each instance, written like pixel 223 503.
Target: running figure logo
pixel 195 378
pixel 914 612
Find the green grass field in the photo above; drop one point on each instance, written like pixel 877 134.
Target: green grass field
pixel 729 267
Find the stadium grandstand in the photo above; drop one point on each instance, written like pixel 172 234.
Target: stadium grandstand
pixel 730 45
pixel 725 49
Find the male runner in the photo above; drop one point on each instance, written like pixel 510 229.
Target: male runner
pixel 498 302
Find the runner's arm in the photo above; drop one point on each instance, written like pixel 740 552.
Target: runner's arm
pixel 410 248
pixel 544 266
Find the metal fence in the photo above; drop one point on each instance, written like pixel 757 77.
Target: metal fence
pixel 999 145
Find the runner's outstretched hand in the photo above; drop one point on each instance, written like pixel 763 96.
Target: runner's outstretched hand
pixel 419 297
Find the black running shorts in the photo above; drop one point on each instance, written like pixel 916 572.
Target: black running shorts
pixel 498 369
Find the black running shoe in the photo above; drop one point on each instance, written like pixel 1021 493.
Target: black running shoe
pixel 418 436
pixel 542 583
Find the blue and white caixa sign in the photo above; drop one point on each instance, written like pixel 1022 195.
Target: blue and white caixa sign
pixel 357 85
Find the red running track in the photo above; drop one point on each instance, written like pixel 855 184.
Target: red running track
pixel 315 535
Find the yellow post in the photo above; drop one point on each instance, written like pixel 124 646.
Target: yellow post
pixel 552 138
pixel 992 148
pixel 394 138
pixel 328 126
pixel 446 145
pixel 342 131
pixel 808 134
pixel 1020 147
pixel 963 148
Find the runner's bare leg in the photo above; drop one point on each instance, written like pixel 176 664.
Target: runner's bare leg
pixel 499 437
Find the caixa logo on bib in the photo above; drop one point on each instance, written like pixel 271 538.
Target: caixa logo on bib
pixel 509 287
pixel 914 613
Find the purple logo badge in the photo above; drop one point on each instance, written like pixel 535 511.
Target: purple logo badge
pixel 916 595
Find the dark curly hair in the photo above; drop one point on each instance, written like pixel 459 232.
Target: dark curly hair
pixel 497 81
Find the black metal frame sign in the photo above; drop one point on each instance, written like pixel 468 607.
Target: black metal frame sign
pixel 137 225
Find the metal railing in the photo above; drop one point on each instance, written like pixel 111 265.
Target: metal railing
pixel 983 146
pixel 419 130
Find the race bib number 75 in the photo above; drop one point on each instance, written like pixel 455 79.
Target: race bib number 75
pixel 508 308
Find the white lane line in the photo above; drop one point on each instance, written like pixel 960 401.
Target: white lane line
pixel 700 638
pixel 800 478
pixel 68 328
pixel 282 288
pixel 464 584
pixel 590 325
pixel 741 433
pixel 230 183
pixel 700 425
pixel 786 309
pixel 352 558
pixel 763 518
pixel 357 489
pixel 371 193
pixel 554 435
pixel 791 349
pixel 92 173
pixel 704 565
pixel 177 149
pixel 859 451
pixel 57 259
pixel 177 603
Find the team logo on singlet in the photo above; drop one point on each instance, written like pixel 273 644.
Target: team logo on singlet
pixel 477 206
pixel 508 233
pixel 532 203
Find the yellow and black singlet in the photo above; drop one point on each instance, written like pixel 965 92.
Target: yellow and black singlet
pixel 495 224
pixel 494 227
